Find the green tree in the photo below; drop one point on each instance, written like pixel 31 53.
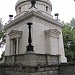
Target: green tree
pixel 2 55
pixel 2 37
pixel 2 33
pixel 69 40
pixel 72 22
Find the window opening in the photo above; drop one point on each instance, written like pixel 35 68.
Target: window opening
pixel 19 9
pixel 46 8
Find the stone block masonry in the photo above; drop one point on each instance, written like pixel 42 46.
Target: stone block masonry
pixel 32 59
pixel 30 64
pixel 35 64
pixel 28 70
pixel 67 69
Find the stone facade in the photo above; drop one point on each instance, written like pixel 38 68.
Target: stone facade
pixel 46 32
pixel 41 23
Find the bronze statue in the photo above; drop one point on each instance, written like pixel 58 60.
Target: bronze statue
pixel 33 3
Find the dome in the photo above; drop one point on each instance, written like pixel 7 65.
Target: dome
pixel 21 1
pixel 22 6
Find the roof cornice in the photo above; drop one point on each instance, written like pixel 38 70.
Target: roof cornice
pixel 30 14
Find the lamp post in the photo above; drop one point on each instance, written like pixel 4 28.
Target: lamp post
pixel 29 47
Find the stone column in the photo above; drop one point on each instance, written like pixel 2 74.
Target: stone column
pixel 48 44
pixel 58 45
pixel 11 46
pixel 17 50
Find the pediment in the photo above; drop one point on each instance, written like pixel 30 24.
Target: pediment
pixel 52 32
pixel 55 31
pixel 15 34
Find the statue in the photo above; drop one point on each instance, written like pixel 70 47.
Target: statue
pixel 33 3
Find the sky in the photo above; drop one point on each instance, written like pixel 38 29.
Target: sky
pixel 65 8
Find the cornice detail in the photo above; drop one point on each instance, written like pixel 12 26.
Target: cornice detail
pixel 31 14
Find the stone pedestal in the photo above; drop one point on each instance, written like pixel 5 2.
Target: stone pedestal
pixel 32 59
pixel 31 63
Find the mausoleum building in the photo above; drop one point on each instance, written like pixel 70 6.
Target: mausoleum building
pixel 46 32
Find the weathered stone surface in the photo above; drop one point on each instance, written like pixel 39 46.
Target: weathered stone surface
pixel 62 69
pixel 32 59
pixel 67 69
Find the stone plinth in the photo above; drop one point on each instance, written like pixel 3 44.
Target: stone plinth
pixel 32 59
pixel 30 63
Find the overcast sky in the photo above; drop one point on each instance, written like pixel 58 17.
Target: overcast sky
pixel 65 8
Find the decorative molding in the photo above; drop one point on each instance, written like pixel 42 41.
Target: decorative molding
pixel 52 32
pixel 30 14
pixel 15 34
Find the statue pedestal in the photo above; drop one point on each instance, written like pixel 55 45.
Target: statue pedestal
pixel 32 9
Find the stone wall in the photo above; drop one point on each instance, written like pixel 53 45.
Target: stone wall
pixel 28 70
pixel 2 69
pixel 35 64
pixel 30 64
pixel 67 69
pixel 63 69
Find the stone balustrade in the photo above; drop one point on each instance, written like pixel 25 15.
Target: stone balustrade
pixel 32 59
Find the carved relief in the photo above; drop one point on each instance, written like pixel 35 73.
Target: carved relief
pixel 39 59
pixel 52 32
pixel 15 34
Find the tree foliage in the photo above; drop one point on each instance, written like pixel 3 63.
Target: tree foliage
pixel 69 40
pixel 2 37
pixel 2 33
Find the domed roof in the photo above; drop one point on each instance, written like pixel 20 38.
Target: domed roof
pixel 21 1
pixel 44 6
